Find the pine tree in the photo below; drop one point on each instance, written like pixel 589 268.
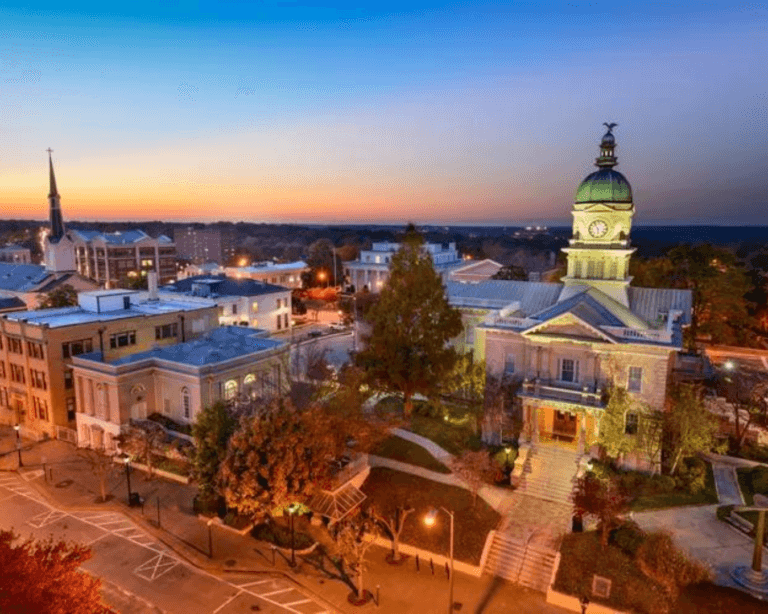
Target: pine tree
pixel 412 322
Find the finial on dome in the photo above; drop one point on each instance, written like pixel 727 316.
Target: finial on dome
pixel 607 145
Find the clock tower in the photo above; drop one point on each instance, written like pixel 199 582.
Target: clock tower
pixel 598 252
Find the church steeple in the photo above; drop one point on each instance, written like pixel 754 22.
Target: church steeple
pixel 57 220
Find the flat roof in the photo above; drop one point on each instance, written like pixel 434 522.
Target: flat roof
pixel 217 345
pixel 72 316
pixel 225 286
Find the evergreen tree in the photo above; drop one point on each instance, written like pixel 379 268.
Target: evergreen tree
pixel 63 296
pixel 212 430
pixel 412 322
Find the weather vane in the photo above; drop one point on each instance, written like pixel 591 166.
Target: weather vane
pixel 610 126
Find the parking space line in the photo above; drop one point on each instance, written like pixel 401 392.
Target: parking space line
pixel 297 602
pixel 156 567
pixel 282 590
pixel 255 583
pixel 227 602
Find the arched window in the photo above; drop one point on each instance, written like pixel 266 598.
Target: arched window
pixel 230 390
pixel 249 384
pixel 186 403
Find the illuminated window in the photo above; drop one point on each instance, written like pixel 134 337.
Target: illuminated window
pixel 255 306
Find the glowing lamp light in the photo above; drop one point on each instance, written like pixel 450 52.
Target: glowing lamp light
pixel 430 518
pixel 16 427
pixel 729 365
pixel 243 261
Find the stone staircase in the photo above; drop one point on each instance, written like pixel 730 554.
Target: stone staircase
pixel 520 561
pixel 549 473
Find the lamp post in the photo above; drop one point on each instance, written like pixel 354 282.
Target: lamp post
pixel 127 461
pixel 291 511
pixel 210 538
pixel 429 520
pixel 507 450
pixel 17 428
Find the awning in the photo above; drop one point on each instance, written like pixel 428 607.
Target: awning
pixel 336 506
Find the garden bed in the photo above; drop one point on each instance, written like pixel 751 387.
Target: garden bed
pixel 400 449
pixel 279 535
pixel 386 489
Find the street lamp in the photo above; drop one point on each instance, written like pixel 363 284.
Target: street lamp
pixel 210 539
pixel 322 276
pixel 291 512
pixel 127 461
pixel 17 428
pixel 507 450
pixel 429 520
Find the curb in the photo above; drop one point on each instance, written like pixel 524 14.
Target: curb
pixel 176 545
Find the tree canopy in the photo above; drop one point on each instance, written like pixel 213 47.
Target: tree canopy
pixel 63 296
pixel 689 427
pixel 43 577
pixel 412 322
pixel 212 430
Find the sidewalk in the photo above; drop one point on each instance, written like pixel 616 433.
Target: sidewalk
pixel 402 589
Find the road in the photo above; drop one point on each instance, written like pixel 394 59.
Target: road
pixel 140 574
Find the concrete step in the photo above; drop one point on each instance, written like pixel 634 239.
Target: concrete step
pixel 520 562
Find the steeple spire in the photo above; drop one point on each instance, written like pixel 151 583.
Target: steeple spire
pixel 57 221
pixel 607 145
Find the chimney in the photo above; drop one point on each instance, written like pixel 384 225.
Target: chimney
pixel 152 285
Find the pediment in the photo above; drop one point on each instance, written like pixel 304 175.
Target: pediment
pixel 571 326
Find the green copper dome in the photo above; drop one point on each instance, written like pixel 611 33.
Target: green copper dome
pixel 604 186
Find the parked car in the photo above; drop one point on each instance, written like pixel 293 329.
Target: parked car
pixel 337 327
pixel 315 333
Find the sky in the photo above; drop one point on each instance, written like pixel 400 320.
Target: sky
pixel 455 113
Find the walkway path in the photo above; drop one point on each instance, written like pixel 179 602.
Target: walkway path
pixel 727 484
pixel 238 574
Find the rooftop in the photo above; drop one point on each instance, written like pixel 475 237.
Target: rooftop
pixel 222 286
pixel 118 238
pixel 72 316
pixel 218 345
pixel 21 277
pixel 271 266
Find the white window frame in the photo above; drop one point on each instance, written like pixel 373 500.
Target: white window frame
pixel 561 371
pixel 638 381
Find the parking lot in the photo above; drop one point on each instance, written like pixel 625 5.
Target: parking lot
pixel 142 575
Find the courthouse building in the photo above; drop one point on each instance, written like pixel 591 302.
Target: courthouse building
pixel 567 343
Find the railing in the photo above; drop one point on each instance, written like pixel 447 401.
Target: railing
pixel 513 322
pixel 657 336
pixel 545 389
pixel 66 434
pixel 348 471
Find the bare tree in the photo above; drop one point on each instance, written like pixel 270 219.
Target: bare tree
pixel 101 465
pixel 393 523
pixel 353 538
pixel 475 468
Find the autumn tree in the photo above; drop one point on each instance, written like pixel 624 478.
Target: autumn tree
pixel 212 430
pixel 44 577
pixel 659 559
pixel 393 521
pixel 602 500
pixel 63 296
pixel 101 465
pixel 746 391
pixel 143 442
pixel 689 427
pixel 476 468
pixel 407 351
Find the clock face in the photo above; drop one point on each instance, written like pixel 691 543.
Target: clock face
pixel 598 228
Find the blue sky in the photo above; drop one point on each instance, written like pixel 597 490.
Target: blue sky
pixel 463 112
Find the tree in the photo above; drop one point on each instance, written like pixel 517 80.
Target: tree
pixel 143 442
pixel 353 537
pixel 43 577
pixel 212 430
pixel 63 296
pixel 475 468
pixel 746 391
pixel 320 257
pixel 689 427
pixel 393 522
pixel 411 323
pixel 101 465
pixel 603 500
pixel 511 273
pixel 313 304
pixel 659 559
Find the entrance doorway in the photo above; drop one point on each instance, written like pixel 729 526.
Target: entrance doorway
pixel 564 426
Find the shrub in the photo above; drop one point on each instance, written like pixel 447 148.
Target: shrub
pixel 632 481
pixel 629 537
pixel 758 479
pixel 280 536
pixel 660 484
pixel 692 475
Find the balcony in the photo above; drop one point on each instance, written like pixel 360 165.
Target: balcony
pixel 576 395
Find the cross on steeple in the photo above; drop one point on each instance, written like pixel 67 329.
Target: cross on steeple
pixel 50 151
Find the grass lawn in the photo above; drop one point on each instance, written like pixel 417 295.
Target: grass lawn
pixel 582 557
pixel 652 495
pixel 386 489
pixel 453 431
pixel 405 451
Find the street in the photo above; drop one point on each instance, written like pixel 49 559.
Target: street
pixel 142 576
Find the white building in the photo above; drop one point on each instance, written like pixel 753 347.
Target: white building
pixel 286 274
pixel 371 270
pixel 242 302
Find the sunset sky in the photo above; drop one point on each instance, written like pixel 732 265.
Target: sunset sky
pixel 431 112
